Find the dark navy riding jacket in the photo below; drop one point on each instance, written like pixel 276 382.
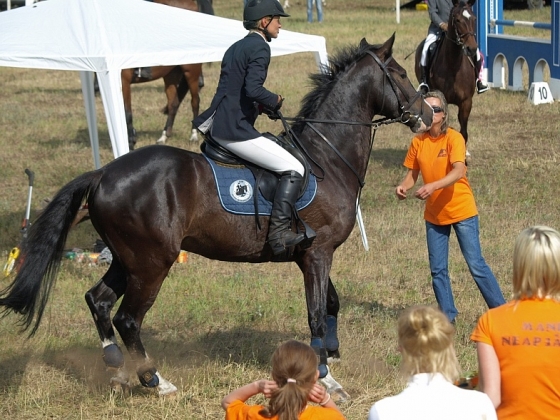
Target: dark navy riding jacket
pixel 233 110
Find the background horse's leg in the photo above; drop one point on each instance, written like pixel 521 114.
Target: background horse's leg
pixel 126 80
pixel 101 299
pixel 463 117
pixel 192 74
pixel 172 81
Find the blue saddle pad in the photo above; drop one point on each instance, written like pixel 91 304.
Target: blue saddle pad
pixel 236 186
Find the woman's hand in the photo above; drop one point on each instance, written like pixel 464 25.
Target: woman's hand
pixel 401 192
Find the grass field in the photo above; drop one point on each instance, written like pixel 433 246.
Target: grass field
pixel 214 325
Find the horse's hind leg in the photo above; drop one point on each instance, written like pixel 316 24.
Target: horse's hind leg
pixel 192 75
pixel 141 293
pixel 101 298
pixel 172 81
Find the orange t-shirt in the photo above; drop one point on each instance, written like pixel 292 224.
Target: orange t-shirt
pixel 526 337
pixel 238 410
pixel 434 158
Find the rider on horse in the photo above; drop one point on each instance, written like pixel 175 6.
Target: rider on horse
pixel 439 11
pixel 239 99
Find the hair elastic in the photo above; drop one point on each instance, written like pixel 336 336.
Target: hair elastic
pixel 291 380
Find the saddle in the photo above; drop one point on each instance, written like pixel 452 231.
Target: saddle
pixel 265 181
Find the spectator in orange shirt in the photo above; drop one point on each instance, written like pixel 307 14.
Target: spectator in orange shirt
pixel 439 155
pixel 293 385
pixel 518 344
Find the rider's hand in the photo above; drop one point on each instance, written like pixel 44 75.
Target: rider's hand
pixel 443 27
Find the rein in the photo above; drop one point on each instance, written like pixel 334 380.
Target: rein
pixel 404 118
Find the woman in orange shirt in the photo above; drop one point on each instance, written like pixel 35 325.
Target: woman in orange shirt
pixel 293 385
pixel 518 344
pixel 439 155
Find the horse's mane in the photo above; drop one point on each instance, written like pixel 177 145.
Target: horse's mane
pixel 323 82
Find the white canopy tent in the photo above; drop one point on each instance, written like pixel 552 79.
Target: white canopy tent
pixel 106 36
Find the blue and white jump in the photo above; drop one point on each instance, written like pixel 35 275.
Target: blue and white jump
pixel 499 49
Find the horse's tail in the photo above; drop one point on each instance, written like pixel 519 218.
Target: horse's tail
pixel 42 252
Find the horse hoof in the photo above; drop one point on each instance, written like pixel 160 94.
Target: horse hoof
pixel 162 139
pixel 337 393
pixel 333 357
pixel 165 388
pixel 119 385
pixel 194 135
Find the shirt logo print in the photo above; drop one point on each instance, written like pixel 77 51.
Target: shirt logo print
pixel 442 153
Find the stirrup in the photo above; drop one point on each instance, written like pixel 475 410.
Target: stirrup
pixel 423 87
pixel 279 243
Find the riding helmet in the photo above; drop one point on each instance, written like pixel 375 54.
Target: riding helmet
pixel 257 9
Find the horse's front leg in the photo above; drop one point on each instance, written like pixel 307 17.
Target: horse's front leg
pixel 322 309
pixel 463 117
pixel 331 337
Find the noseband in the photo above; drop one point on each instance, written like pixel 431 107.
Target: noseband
pixel 397 87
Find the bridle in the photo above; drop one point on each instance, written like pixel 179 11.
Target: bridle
pixel 460 38
pixel 404 118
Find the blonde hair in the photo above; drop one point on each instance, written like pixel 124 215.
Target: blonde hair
pixel 439 95
pixel 536 264
pixel 295 361
pixel 426 342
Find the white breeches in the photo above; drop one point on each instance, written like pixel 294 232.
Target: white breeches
pixel 266 153
pixel 430 39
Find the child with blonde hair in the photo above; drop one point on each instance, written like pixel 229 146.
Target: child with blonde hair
pixel 518 344
pixel 293 385
pixel 425 338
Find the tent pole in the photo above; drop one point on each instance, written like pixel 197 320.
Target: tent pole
pixel 89 101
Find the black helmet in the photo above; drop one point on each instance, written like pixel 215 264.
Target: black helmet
pixel 257 9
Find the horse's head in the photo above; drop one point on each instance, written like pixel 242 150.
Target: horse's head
pixel 408 104
pixel 461 26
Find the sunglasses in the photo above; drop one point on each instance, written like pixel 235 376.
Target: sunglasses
pixel 437 109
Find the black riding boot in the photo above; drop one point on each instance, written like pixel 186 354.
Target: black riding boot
pixel 280 235
pixel 480 86
pixel 423 87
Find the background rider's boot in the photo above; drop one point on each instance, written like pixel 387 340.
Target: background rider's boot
pixel 280 234
pixel 423 87
pixel 481 87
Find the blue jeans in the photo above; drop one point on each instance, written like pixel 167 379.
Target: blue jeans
pixel 319 5
pixel 438 251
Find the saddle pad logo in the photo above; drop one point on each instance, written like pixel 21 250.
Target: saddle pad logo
pixel 241 191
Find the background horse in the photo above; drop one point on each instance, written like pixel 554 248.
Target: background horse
pixel 452 70
pixel 183 78
pixel 150 203
pixel 179 80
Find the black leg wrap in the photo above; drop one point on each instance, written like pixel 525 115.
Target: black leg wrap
pixel 149 378
pixel 321 352
pixel 113 357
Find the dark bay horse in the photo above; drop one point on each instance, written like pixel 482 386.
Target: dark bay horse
pixel 452 70
pixel 150 203
pixel 179 80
